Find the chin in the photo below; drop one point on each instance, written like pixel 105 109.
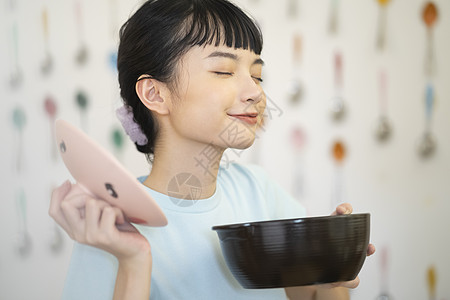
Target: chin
pixel 243 144
pixel 237 136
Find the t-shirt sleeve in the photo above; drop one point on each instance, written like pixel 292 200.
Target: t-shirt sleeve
pixel 280 203
pixel 91 275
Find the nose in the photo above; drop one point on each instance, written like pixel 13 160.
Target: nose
pixel 252 91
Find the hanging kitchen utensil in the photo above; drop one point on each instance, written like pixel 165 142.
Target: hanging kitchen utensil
pixel 19 121
pixel 24 243
pixel 298 141
pixel 382 20
pixel 56 241
pixel 16 74
pixel 427 143
pixel 47 63
pixel 118 141
pixel 429 17
pixel 12 4
pixel 333 24
pixel 114 24
pixel 82 53
pixel 431 281
pixel 383 127
pixel 82 102
pixel 339 153
pixel 296 87
pixel 50 108
pixel 384 295
pixel 56 237
pixel 293 8
pixel 337 106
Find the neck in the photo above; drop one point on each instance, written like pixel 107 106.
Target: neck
pixel 185 169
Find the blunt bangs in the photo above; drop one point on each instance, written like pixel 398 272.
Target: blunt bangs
pixel 221 22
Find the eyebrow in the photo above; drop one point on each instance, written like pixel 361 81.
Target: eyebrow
pixel 232 56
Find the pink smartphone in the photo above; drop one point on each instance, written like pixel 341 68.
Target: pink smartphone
pixel 100 174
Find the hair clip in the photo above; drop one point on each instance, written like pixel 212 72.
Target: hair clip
pixel 133 130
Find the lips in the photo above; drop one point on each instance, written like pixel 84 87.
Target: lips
pixel 249 118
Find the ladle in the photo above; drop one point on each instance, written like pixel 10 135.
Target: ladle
pixel 427 143
pixel 24 242
pixel 382 19
pixel 50 108
pixel 16 74
pixel 337 104
pixel 82 102
pixel 47 63
pixel 82 54
pixel 429 17
pixel 383 126
pixel 339 153
pixel 431 281
pixel 296 87
pixel 19 121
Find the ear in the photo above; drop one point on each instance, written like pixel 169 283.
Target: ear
pixel 150 93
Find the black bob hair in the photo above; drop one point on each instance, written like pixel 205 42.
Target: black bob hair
pixel 157 35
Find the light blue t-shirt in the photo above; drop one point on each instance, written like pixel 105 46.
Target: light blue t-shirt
pixel 187 258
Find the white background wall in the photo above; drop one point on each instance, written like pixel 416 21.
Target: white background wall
pixel 408 197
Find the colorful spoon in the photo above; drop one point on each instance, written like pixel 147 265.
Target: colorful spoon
pixel 298 141
pixel 16 74
pixel 292 8
pixel 12 4
pixel 47 64
pixel 24 243
pixel 339 153
pixel 118 141
pixel 384 295
pixel 383 127
pixel 114 24
pixel 429 17
pixel 427 143
pixel 295 90
pixel 51 109
pixel 431 280
pixel 19 121
pixel 333 19
pixel 82 102
pixel 82 53
pixel 382 19
pixel 337 102
pixel 56 238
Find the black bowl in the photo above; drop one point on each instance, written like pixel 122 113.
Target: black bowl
pixel 295 252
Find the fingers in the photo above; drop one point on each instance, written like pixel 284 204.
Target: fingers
pixel 107 224
pixel 58 195
pixel 72 209
pixel 352 284
pixel 78 213
pixel 343 209
pixel 98 226
pixel 370 249
pixel 55 210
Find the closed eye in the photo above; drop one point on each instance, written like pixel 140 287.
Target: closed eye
pixel 223 73
pixel 257 78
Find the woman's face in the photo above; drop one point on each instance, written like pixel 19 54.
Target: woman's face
pixel 218 98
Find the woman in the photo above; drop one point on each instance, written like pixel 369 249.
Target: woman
pixel 190 74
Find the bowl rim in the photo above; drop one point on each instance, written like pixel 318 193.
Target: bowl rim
pixel 287 221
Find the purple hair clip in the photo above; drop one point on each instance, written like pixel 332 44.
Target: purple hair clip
pixel 125 116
